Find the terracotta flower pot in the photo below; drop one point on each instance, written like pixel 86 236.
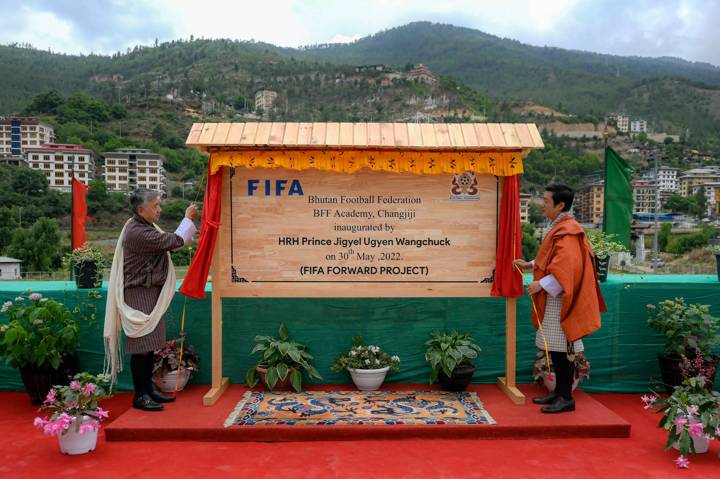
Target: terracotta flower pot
pixel 280 385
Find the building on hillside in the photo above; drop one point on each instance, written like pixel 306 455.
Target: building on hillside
pixel 265 101
pixel 370 68
pixel 638 126
pixel 128 169
pixel 712 195
pixel 60 161
pixel 697 176
pixel 623 123
pixel 10 268
pixel 644 196
pixel 668 179
pixel 588 204
pixel 525 207
pixel 422 74
pixel 17 133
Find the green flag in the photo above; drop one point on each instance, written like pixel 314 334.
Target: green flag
pixel 618 197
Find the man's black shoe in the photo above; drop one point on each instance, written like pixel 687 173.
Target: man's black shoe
pixel 560 405
pixel 146 403
pixel 159 397
pixel 549 399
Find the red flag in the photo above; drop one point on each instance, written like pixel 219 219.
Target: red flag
pixel 79 213
pixel 194 283
pixel 508 282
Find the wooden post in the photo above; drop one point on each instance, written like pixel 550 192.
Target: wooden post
pixel 219 383
pixel 507 383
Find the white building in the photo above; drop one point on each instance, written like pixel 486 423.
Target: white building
pixel 644 196
pixel 9 268
pixel 638 126
pixel 59 162
pixel 265 100
pixel 17 133
pixel 525 207
pixel 130 168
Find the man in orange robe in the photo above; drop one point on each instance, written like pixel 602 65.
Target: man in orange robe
pixel 566 294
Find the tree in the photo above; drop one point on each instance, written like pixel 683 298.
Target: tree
pixel 530 244
pixel 38 246
pixel 664 236
pixel 535 215
pixel 30 182
pixel 677 204
pixel 701 201
pixel 46 103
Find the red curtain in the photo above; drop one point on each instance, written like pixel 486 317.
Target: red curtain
pixel 194 283
pixel 79 213
pixel 508 281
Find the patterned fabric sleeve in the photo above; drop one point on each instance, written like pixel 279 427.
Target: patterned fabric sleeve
pixel 149 241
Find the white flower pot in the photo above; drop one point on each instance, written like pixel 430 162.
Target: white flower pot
pixel 549 380
pixel 166 382
pixel 368 379
pixel 701 443
pixel 72 442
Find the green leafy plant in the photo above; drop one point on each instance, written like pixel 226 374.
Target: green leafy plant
pixel 281 357
pixel 447 351
pixel 86 252
pixel 37 332
pixel 692 410
pixel 688 329
pixel 361 356
pixel 714 248
pixel 603 245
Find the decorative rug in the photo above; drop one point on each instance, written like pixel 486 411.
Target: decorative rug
pixel 343 408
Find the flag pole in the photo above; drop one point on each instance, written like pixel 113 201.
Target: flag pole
pixel 605 141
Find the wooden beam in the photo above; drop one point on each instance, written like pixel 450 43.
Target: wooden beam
pixel 214 393
pixel 507 383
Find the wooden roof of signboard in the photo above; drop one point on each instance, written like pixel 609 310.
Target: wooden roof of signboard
pixel 412 136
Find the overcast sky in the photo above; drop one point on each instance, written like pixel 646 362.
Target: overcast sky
pixel 682 28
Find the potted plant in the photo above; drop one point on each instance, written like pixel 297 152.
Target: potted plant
pixel 450 356
pixel 545 376
pixel 39 337
pixel 171 372
pixel 691 416
pixel 603 246
pixel 87 264
pixel 715 249
pixel 75 414
pixel 689 331
pixel 367 364
pixel 282 363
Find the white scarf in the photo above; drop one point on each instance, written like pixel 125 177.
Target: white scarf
pixel 119 315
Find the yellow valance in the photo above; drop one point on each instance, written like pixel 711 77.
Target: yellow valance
pixel 498 163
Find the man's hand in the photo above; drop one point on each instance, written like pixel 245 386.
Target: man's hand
pixel 522 263
pixel 534 287
pixel 191 212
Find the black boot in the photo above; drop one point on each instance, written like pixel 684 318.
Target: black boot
pixel 141 400
pixel 548 399
pixel 146 403
pixel 154 394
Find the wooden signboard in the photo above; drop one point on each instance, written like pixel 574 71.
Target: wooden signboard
pixel 311 233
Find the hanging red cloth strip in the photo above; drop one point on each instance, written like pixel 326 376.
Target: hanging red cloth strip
pixel 194 283
pixel 508 282
pixel 79 213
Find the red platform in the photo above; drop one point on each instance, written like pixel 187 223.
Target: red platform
pixel 188 420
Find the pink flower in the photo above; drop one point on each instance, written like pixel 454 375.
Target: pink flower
pixel 696 428
pixel 680 423
pixel 693 410
pixel 682 462
pixel 51 397
pixel 89 388
pixel 75 385
pixel 649 400
pixel 39 422
pixel 102 413
pixel 89 426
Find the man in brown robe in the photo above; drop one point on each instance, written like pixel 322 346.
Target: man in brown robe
pixel 565 292
pixel 145 269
